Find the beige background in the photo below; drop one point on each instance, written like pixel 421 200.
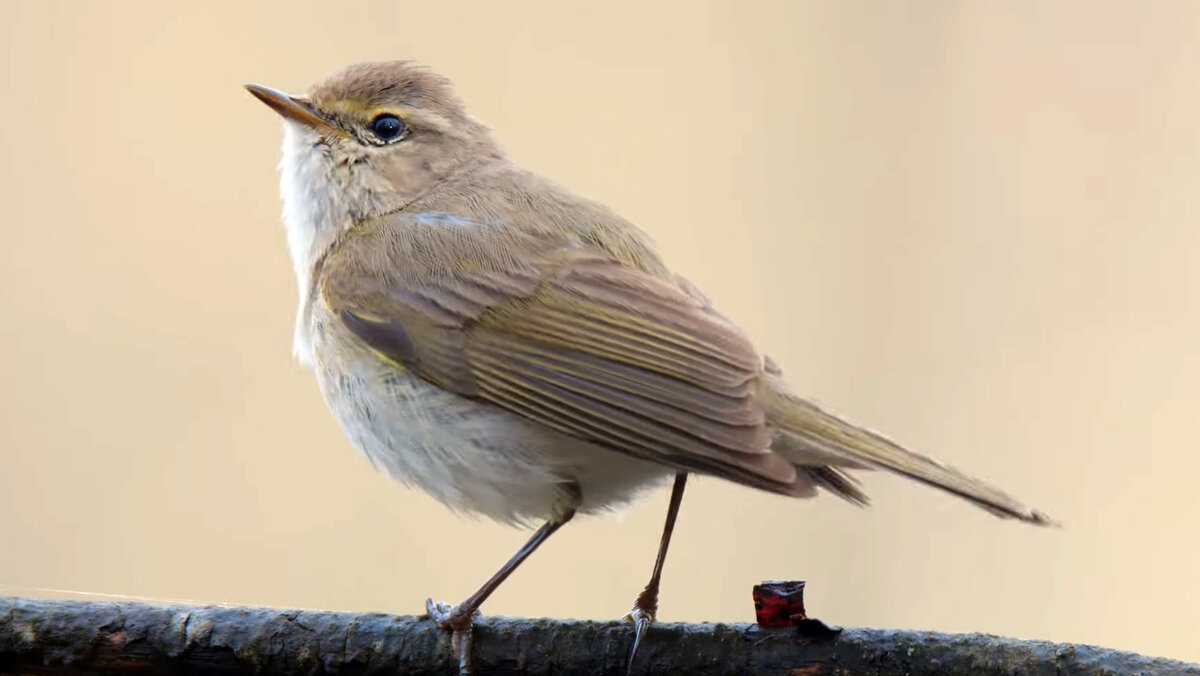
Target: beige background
pixel 972 225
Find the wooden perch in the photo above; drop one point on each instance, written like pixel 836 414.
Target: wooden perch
pixel 75 637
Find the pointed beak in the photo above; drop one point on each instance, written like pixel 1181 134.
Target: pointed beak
pixel 295 108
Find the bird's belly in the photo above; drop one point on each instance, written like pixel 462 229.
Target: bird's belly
pixel 473 456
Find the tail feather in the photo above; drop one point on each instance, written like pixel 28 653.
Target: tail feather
pixel 837 482
pixel 833 437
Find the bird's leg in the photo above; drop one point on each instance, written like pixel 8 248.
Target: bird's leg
pixel 646 605
pixel 461 618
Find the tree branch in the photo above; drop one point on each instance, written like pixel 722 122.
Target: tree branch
pixel 75 637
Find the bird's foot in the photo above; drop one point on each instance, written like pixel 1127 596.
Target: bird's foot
pixel 459 620
pixel 642 616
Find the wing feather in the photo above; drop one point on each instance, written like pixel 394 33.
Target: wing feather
pixel 566 378
pixel 564 334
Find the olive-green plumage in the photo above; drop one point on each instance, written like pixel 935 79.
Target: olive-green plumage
pixel 517 350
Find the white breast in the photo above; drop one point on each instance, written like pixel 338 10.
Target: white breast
pixel 471 456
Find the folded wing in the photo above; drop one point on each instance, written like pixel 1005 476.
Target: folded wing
pixel 563 334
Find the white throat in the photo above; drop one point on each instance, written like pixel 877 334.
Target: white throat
pixel 310 209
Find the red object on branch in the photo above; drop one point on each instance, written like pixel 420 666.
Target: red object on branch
pixel 781 604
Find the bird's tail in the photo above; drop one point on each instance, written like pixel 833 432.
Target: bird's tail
pixel 832 437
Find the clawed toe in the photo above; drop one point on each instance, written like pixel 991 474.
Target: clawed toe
pixel 641 619
pixel 439 611
pixel 461 617
pixel 461 623
pixel 448 616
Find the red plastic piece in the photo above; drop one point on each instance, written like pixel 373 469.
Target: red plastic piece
pixel 779 604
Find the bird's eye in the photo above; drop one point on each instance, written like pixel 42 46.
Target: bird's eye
pixel 387 127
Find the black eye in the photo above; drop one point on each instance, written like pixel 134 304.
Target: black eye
pixel 387 127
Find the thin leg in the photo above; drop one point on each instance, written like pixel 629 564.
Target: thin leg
pixel 461 618
pixel 646 605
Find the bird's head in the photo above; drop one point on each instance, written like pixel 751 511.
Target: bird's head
pixel 374 137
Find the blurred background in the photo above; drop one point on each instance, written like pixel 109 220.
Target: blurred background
pixel 975 226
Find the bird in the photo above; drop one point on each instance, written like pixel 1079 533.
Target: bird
pixel 522 352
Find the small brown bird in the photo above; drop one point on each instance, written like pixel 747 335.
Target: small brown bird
pixel 522 352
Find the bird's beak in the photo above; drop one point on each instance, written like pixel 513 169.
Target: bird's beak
pixel 295 108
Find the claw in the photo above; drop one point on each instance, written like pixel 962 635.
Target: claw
pixel 461 618
pixel 449 617
pixel 439 611
pixel 461 639
pixel 642 619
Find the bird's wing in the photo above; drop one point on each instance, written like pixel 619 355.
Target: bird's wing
pixel 561 332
